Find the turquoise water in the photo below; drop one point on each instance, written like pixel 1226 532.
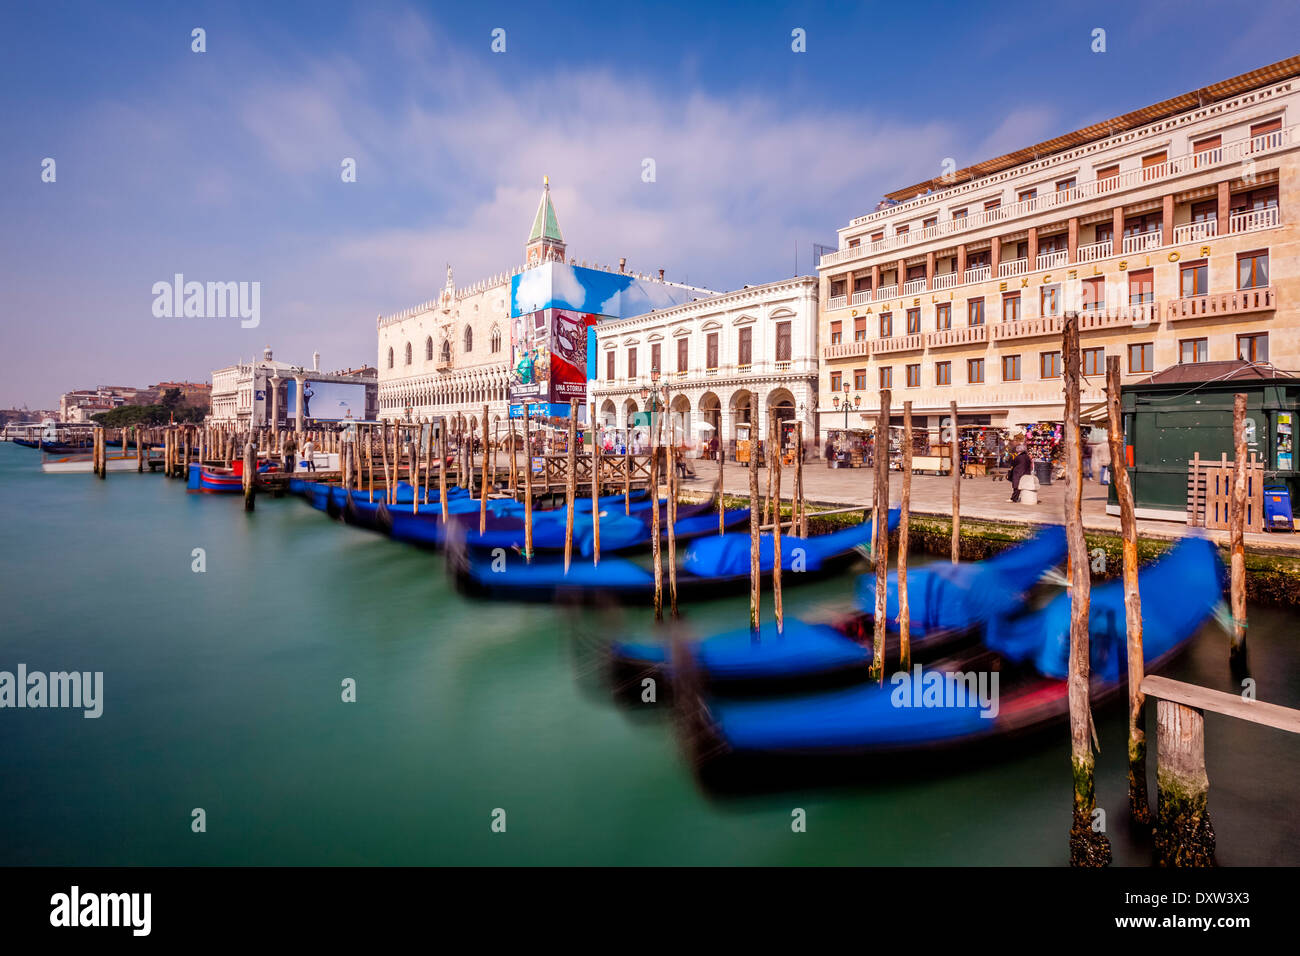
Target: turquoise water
pixel 222 691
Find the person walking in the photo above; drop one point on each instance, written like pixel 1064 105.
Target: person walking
pixel 1101 458
pixel 1087 457
pixel 308 451
pixel 1021 466
pixel 288 452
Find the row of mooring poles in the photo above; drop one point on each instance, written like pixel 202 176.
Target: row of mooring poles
pixel 595 486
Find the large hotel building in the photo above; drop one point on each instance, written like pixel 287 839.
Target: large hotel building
pixel 1171 229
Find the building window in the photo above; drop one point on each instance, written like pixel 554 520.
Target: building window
pixel 860 329
pixel 609 366
pixel 837 333
pixel 901 230
pixel 1205 211
pixel 1141 287
pixel 886 324
pixel 745 347
pixel 1206 151
pixel 913 376
pixel 942 373
pixel 408 353
pixel 1192 278
pixel 877 236
pixel 886 377
pixel 783 341
pixel 656 356
pixel 975 371
pixel 444 352
pixel 428 349
pixel 855 243
pixel 1191 351
pixel 1265 198
pixel 631 363
pixel 837 287
pixel 959 213
pixel 1267 129
pixel 1152 162
pixel 1094 361
pixel 711 351
pixel 1049 364
pixel 1011 368
pixel 837 381
pixel 943 315
pixel 1252 270
pixel 931 222
pixel 1064 184
pixel 913 321
pixel 1253 347
pixel 1094 294
pixel 975 311
pixel 469 339
pixel 683 354
pixel 992 204
pixel 1049 300
pixel 1011 307
pixel 1027 195
pixel 495 343
pixel 860 379
pixel 1107 174
pixel 1140 357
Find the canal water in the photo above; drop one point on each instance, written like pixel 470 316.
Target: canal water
pixel 222 691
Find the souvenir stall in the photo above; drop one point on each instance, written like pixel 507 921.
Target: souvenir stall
pixel 982 449
pixel 1043 441
pixel 847 448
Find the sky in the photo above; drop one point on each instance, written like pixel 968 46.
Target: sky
pixel 226 165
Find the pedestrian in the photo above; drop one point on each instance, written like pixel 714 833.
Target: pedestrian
pixel 308 452
pixel 1087 458
pixel 1021 466
pixel 1101 458
pixel 289 453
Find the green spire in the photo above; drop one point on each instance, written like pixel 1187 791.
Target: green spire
pixel 545 225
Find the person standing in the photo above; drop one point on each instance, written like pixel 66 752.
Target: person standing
pixel 1101 458
pixel 308 451
pixel 1021 466
pixel 289 452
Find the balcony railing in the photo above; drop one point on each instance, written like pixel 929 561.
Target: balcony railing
pixel 946 281
pixel 1118 316
pixel 1196 231
pixel 1050 260
pixel 902 343
pixel 1216 304
pixel 886 292
pixel 1094 251
pixel 841 350
pixel 783 365
pixel 1013 267
pixel 1027 328
pixel 837 302
pixel 1142 242
pixel 862 297
pixel 913 286
pixel 969 335
pixel 1254 220
pixel 978 274
pixel 743 368
pixel 1229 154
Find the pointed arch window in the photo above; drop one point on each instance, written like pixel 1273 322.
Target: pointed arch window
pixel 408 353
pixel 428 349
pixel 390 358
pixel 495 343
pixel 446 350
pixel 469 339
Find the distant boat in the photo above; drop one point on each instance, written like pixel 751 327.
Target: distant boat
pixel 214 481
pixel 85 464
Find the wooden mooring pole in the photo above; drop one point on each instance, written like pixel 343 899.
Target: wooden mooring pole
pixel 905 505
pixel 755 578
pixel 775 481
pixel 1183 835
pixel 1088 846
pixel 595 487
pixel 483 484
pixel 1139 806
pixel 528 485
pixel 673 454
pixel 570 483
pixel 880 536
pixel 956 484
pixel 250 474
pixel 656 552
pixel 1236 536
pixel 799 518
pixel 442 468
pixel 722 508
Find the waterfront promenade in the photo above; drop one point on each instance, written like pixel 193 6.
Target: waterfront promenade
pixel 981 499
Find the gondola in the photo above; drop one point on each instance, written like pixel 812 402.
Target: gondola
pixel 837 734
pixel 214 480
pixel 709 567
pixel 946 603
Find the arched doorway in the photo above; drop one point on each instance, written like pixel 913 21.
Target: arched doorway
pixel 679 421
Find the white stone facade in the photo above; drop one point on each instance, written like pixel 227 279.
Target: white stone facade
pixel 706 380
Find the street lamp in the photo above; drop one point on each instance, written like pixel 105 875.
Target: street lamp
pixel 857 402
pixel 650 395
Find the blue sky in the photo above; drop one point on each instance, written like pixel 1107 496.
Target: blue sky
pixel 225 165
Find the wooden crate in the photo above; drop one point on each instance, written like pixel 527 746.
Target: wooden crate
pixel 1209 492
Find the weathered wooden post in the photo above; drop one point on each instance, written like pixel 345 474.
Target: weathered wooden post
pixel 956 484
pixel 1088 846
pixel 672 533
pixel 1236 536
pixel 528 484
pixel 383 451
pixel 1183 834
pixel 905 505
pixel 139 453
pixel 656 554
pixel 571 483
pixel 250 474
pixel 627 477
pixel 880 535
pixel 442 468
pixel 767 500
pixel 775 473
pixel 799 520
pixel 483 487
pixel 722 508
pixel 755 569
pixel 1137 735
pixel 370 459
pixel 595 487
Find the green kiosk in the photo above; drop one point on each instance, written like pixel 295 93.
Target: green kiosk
pixel 1186 409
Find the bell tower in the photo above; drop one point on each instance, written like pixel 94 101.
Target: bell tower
pixel 545 241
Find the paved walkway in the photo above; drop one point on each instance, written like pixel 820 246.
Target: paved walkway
pixel 981 498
